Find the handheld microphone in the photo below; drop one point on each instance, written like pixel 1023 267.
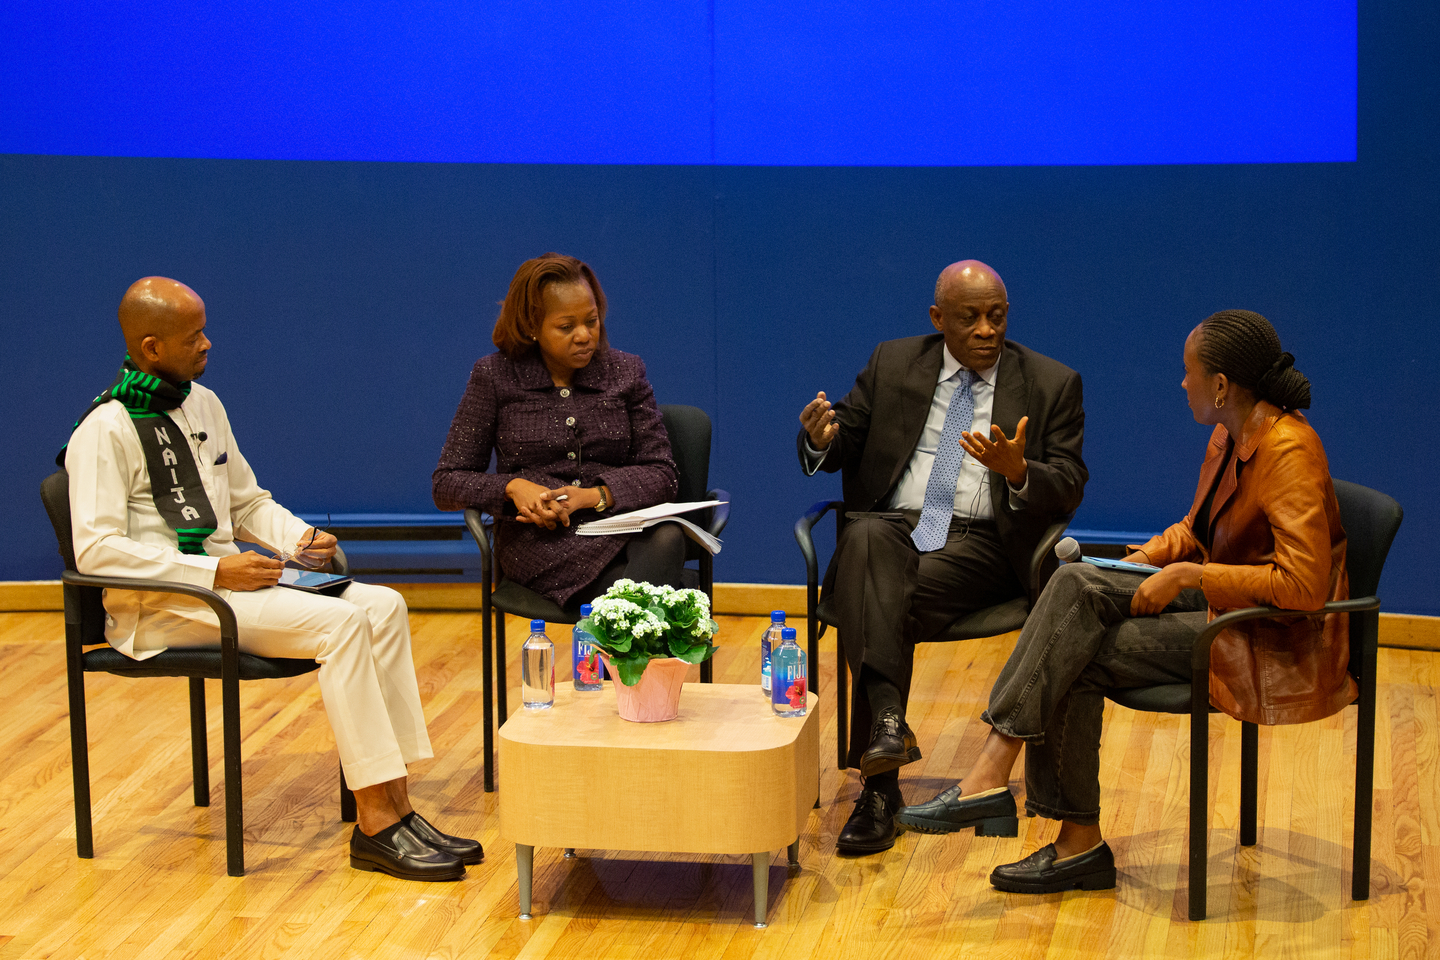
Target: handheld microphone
pixel 1068 550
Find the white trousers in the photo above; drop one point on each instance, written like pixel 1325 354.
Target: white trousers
pixel 367 674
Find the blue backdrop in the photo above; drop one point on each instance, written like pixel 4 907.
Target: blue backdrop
pixel 348 299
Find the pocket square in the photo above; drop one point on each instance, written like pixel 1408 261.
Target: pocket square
pixel 223 458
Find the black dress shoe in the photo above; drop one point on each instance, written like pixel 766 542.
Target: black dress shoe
pixel 1042 873
pixel 991 813
pixel 397 851
pixel 466 851
pixel 892 744
pixel 871 828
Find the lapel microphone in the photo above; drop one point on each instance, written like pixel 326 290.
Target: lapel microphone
pixel 199 437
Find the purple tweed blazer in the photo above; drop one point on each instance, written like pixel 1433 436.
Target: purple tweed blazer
pixel 512 409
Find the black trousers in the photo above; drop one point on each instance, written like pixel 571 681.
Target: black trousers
pixel 1080 641
pixel 887 597
pixel 656 555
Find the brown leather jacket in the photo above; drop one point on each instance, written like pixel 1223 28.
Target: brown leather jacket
pixel 1275 540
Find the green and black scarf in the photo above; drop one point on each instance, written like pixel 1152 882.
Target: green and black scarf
pixel 174 477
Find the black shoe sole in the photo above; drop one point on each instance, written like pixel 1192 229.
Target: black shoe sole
pixel 1100 880
pixel 884 763
pixel 371 866
pixel 984 827
pixel 862 850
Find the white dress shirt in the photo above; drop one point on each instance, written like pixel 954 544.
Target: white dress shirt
pixel 972 489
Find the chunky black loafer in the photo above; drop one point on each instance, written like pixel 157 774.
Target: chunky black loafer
pixel 991 813
pixel 1042 873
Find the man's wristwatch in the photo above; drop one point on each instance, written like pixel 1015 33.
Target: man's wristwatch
pixel 600 507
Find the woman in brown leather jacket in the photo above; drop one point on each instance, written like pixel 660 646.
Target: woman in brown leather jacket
pixel 1263 530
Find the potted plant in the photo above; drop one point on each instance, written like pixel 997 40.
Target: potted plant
pixel 648 637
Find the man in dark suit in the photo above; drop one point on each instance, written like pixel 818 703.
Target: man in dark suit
pixel 962 447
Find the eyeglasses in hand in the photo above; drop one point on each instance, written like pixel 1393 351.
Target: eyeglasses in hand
pixel 298 554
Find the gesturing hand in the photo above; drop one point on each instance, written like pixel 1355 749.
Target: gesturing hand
pixel 247 571
pixel 819 421
pixel 997 452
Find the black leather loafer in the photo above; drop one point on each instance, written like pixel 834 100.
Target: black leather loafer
pixel 871 828
pixel 397 851
pixel 1042 873
pixel 466 851
pixel 991 813
pixel 892 744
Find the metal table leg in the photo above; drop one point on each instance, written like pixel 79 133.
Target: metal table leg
pixel 760 867
pixel 525 867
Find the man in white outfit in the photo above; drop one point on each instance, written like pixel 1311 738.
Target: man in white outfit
pixel 154 420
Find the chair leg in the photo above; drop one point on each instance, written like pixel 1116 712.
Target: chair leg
pixel 487 685
pixel 1364 755
pixel 199 744
pixel 234 812
pixel 1249 782
pixel 707 586
pixel 79 750
pixel 347 800
pixel 1199 806
pixel 842 709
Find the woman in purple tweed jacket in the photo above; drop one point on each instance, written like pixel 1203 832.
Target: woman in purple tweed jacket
pixel 575 432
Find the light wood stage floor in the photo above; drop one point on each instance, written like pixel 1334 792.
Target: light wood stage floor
pixel 157 887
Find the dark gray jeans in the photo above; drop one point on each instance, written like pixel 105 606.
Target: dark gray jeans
pixel 1079 641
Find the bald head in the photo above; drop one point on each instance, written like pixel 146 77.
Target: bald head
pixel 970 309
pixel 965 276
pixel 163 322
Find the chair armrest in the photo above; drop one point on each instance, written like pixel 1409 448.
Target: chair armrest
pixel 719 515
pixel 1200 654
pixel 229 631
pixel 339 564
pixel 480 531
pixel 1045 551
pixel 806 540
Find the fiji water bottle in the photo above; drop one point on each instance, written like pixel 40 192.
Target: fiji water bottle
pixel 787 671
pixel 769 640
pixel 537 669
pixel 586 657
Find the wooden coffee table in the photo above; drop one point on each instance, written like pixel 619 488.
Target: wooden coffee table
pixel 727 776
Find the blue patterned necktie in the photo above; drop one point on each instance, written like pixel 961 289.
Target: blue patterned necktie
pixel 929 534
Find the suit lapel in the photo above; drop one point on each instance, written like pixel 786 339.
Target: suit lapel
pixel 1012 399
pixel 1012 394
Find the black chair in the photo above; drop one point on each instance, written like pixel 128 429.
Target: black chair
pixel 1370 519
pixel 989 622
pixel 85 627
pixel 689 430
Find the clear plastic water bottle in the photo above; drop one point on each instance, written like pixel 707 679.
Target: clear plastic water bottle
pixel 588 669
pixel 769 640
pixel 537 669
pixel 787 666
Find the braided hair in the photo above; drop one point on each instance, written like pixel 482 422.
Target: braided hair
pixel 1244 346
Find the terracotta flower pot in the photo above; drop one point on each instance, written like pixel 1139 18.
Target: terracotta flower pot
pixel 656 697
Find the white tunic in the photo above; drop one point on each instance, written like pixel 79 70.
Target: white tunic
pixel 119 533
